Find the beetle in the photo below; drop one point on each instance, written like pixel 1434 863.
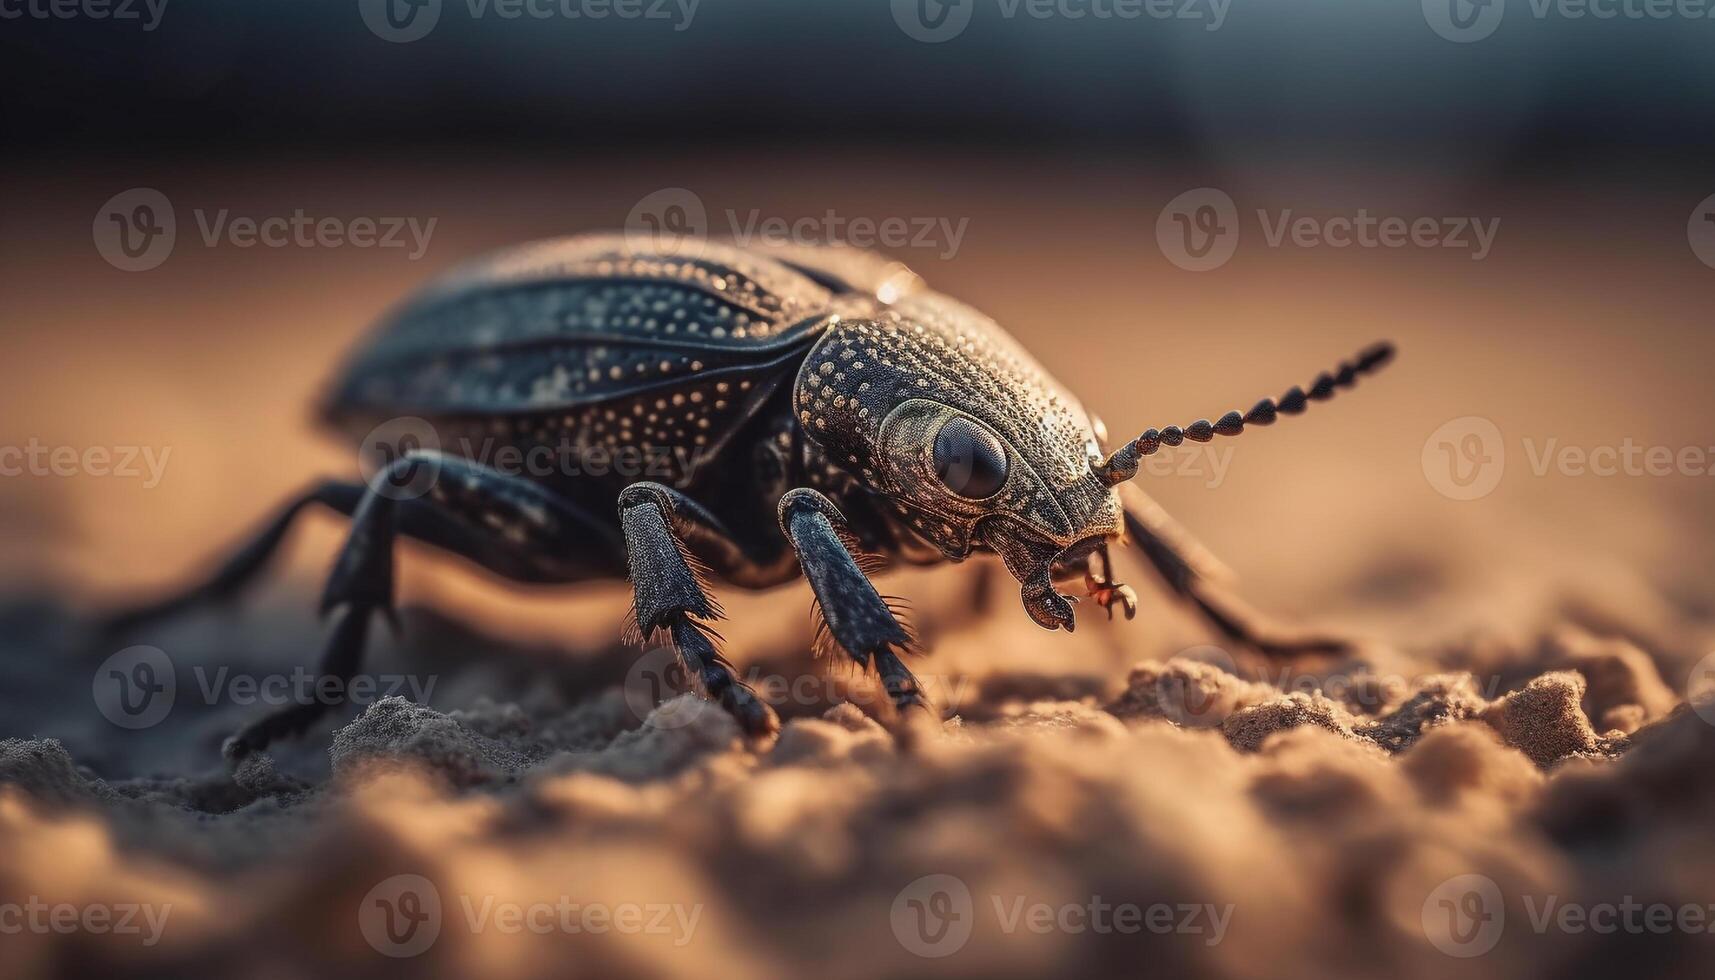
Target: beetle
pixel 804 408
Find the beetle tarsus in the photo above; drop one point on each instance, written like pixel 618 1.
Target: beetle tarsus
pixel 1109 594
pixel 703 661
pixel 340 661
pixel 1193 576
pixel 669 597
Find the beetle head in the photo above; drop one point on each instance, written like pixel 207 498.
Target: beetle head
pixel 972 444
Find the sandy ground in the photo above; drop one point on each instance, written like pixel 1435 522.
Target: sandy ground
pixel 1505 781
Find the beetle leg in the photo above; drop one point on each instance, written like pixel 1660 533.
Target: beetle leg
pixel 856 616
pixel 507 524
pixel 1195 576
pixel 246 563
pixel 361 584
pixel 669 596
pixel 1110 594
pixel 1105 590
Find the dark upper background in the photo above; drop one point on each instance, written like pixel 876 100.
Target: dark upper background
pixel 1294 82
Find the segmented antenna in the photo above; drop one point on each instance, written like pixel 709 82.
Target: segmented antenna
pixel 1122 464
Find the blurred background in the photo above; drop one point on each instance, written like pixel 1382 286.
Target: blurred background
pixel 1034 152
pixel 1178 206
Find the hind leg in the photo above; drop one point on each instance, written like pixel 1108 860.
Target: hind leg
pixel 1195 576
pixel 245 564
pixel 507 524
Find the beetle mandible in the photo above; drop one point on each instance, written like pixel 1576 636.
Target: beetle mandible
pixel 801 407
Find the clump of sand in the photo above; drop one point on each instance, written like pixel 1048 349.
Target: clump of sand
pixel 1548 719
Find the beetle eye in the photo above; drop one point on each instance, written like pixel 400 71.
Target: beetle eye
pixel 969 459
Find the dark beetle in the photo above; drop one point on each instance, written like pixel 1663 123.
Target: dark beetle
pixel 799 407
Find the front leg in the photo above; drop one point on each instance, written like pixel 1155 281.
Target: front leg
pixel 669 597
pixel 853 612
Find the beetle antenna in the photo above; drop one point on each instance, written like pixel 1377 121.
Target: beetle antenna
pixel 1122 464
